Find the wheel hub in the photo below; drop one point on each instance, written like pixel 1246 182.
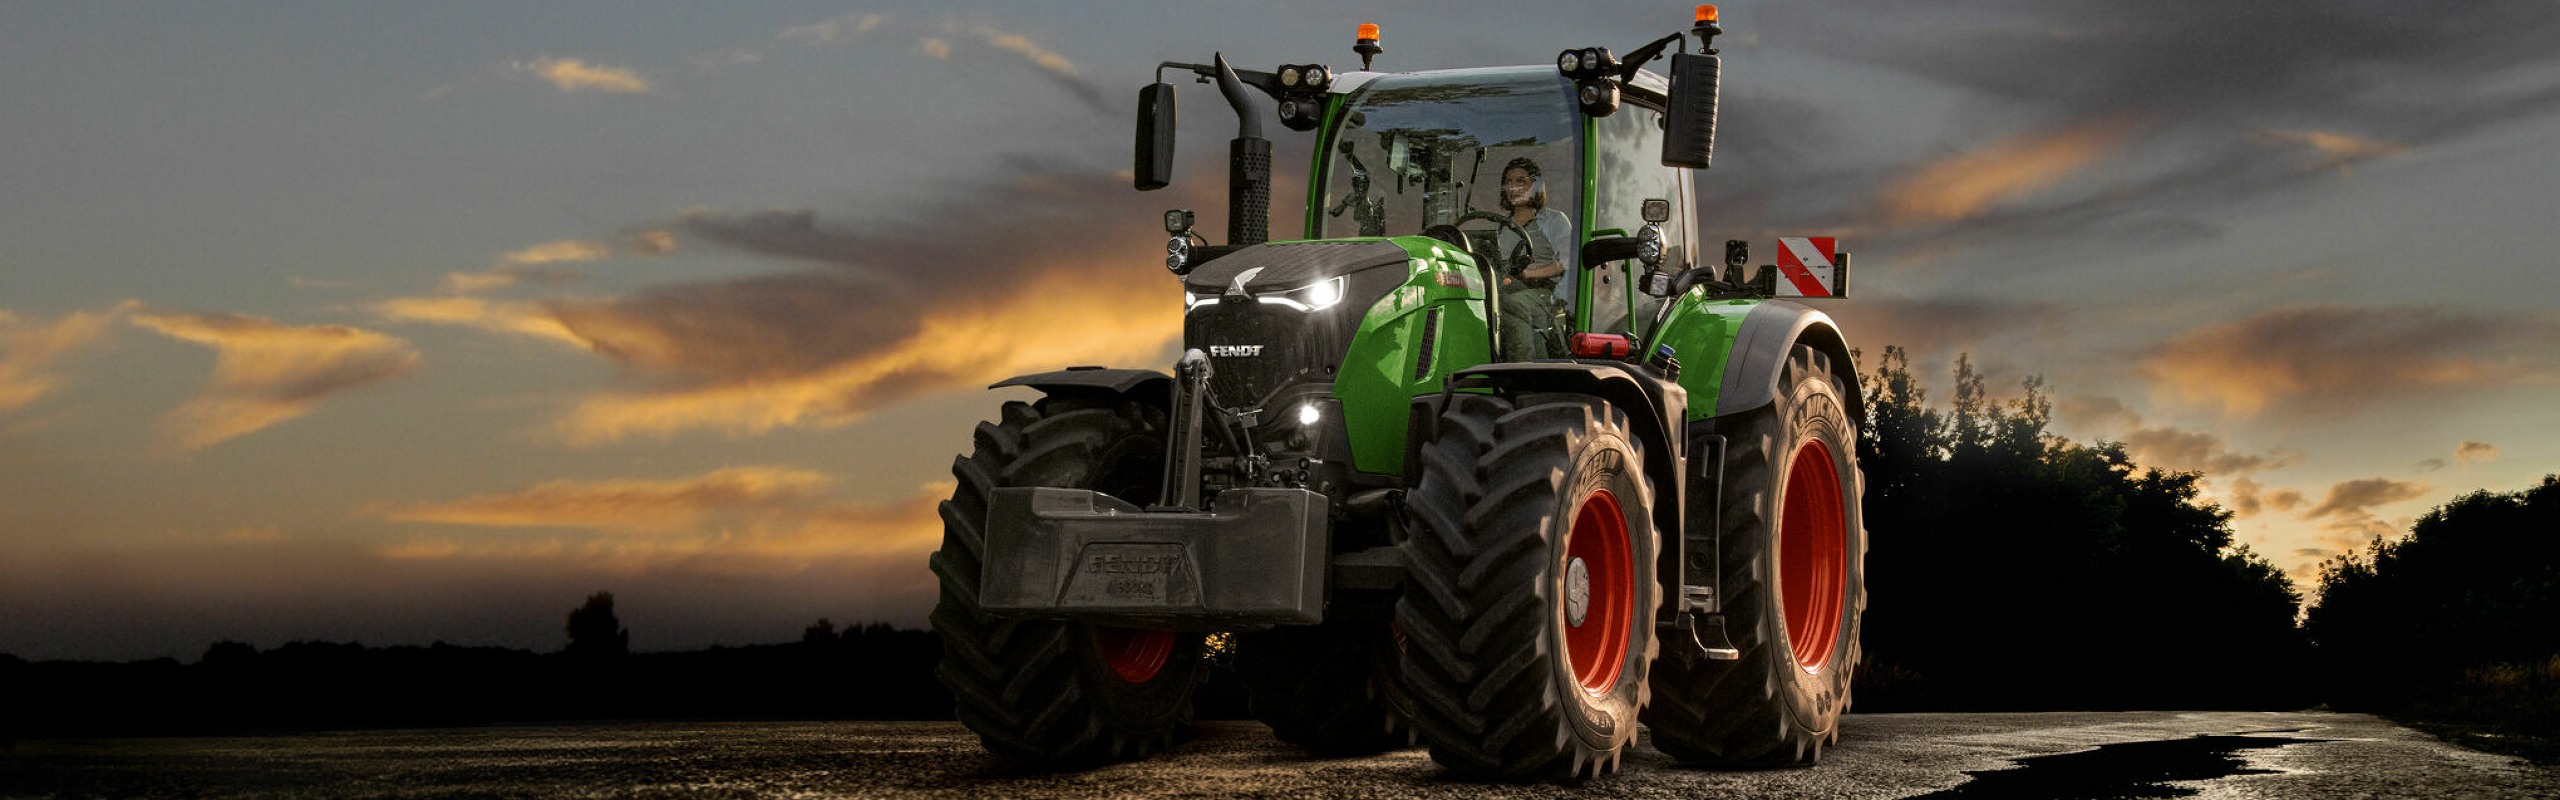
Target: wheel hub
pixel 1598 593
pixel 1577 591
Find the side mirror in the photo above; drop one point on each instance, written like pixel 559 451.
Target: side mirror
pixel 1155 137
pixel 1689 132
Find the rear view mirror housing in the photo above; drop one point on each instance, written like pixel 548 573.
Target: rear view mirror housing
pixel 1154 167
pixel 1689 131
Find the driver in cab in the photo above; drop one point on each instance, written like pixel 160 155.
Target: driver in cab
pixel 1530 268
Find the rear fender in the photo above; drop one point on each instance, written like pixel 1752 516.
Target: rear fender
pixel 1760 350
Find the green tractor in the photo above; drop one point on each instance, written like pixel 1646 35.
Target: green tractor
pixel 1483 460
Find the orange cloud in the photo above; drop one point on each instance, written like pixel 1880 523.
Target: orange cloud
pixel 2356 497
pixel 522 319
pixel 502 277
pixel 2336 149
pixel 745 522
pixel 265 373
pixel 1020 45
pixel 572 75
pixel 557 251
pixel 1970 184
pixel 653 242
pixel 2181 450
pixel 622 504
pixel 2328 360
pixel 30 350
pixel 2472 451
pixel 1056 321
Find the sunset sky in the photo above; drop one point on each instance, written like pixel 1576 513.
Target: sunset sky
pixel 397 323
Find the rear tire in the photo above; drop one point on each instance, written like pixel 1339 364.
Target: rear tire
pixel 1058 694
pixel 1529 593
pixel 1793 552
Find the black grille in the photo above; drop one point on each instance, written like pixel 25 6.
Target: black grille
pixel 1430 337
pixel 1256 348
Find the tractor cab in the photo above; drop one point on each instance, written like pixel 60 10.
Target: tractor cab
pixel 1505 163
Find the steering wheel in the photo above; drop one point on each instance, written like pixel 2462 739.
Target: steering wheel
pixel 1452 234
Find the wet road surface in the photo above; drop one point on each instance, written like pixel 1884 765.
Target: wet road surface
pixel 1940 756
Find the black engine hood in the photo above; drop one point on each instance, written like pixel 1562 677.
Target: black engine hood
pixel 1289 265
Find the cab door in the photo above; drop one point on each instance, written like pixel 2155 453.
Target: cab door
pixel 1628 170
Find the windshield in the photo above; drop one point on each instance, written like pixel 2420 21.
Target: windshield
pixel 1413 153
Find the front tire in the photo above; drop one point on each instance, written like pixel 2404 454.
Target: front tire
pixel 1529 593
pixel 1058 695
pixel 1793 555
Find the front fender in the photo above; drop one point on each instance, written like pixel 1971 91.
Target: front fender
pixel 1144 385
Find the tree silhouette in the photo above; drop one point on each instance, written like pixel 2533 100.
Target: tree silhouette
pixel 594 632
pixel 2473 586
pixel 821 634
pixel 2009 567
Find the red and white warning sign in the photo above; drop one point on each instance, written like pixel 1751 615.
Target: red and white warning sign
pixel 1805 266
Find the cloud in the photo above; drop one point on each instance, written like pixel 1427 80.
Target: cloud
pixel 558 251
pixel 2091 412
pixel 1052 324
pixel 2353 498
pixel 748 522
pixel 653 242
pixel 2206 91
pixel 1050 63
pixel 880 312
pixel 573 75
pixel 520 319
pixel 832 30
pixel 2180 450
pixel 2328 360
pixel 2471 451
pixel 29 351
pixel 1966 185
pixel 622 504
pixel 2335 149
pixel 934 46
pixel 1928 326
pixel 265 373
pixel 2429 464
pixel 502 277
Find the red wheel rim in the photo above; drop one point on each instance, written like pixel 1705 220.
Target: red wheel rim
pixel 1812 562
pixel 1597 648
pixel 1134 654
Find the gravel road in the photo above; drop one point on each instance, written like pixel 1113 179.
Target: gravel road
pixel 1939 756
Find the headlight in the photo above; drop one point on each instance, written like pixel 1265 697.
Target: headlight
pixel 1307 414
pixel 1315 296
pixel 1288 76
pixel 1569 62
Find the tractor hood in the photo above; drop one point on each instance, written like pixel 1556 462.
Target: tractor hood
pixel 1281 315
pixel 1282 267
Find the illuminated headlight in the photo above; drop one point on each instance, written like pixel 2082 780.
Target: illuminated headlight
pixel 1316 296
pixel 1307 414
